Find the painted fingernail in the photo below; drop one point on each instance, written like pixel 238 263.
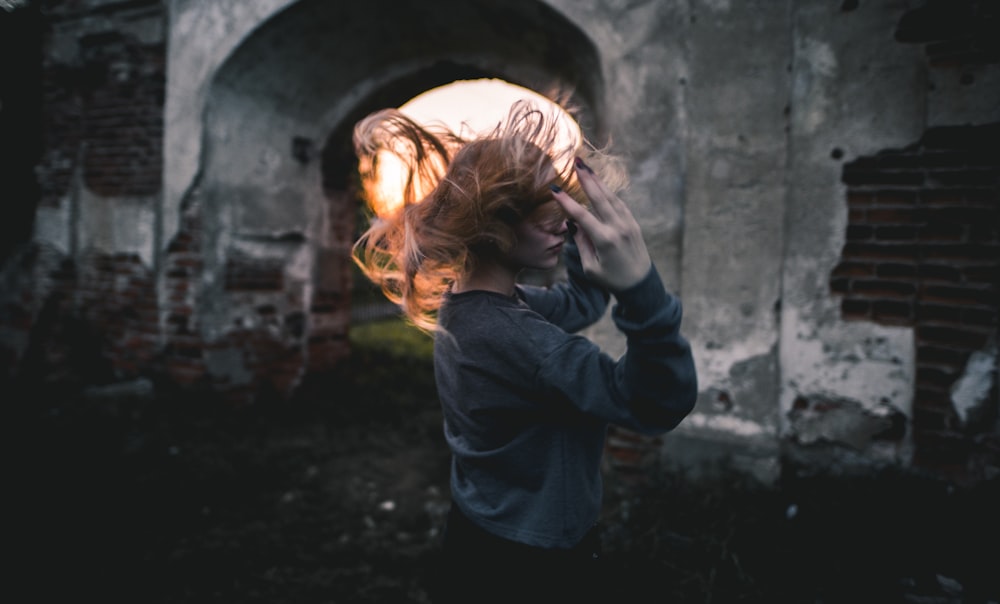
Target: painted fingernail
pixel 579 164
pixel 555 188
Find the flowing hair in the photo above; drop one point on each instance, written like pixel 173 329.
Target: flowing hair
pixel 461 197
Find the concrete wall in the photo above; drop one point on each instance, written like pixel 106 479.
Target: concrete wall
pixel 742 123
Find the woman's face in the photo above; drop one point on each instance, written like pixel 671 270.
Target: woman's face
pixel 540 238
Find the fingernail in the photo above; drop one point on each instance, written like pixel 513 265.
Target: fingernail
pixel 579 164
pixel 555 188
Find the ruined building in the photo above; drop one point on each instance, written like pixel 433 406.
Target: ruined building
pixel 817 179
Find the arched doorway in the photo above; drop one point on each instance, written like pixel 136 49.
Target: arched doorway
pixel 277 209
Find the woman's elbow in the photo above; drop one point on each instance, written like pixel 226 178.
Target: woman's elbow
pixel 689 389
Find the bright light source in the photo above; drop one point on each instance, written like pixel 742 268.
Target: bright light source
pixel 465 107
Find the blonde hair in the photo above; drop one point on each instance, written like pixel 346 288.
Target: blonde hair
pixel 479 188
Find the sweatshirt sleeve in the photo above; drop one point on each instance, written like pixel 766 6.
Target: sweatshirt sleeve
pixel 573 304
pixel 651 387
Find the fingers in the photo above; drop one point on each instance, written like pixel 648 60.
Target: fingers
pixel 574 210
pixel 612 250
pixel 585 222
pixel 606 204
pixel 588 253
pixel 607 214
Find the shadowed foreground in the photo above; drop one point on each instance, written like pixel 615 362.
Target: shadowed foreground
pixel 145 496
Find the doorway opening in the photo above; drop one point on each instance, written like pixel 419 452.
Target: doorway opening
pixel 465 107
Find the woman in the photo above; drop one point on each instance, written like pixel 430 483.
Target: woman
pixel 526 402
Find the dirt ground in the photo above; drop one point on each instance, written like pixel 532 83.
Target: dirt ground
pixel 339 496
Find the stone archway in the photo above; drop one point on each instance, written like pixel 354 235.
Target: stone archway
pixel 276 210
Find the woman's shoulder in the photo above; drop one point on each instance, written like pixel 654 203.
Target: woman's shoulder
pixel 497 318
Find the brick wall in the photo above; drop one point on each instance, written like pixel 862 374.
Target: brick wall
pixel 103 97
pixel 115 294
pixel 92 314
pixel 923 249
pixel 274 339
pixel 333 278
pixel 182 355
pixel 44 341
pixel 103 107
pixel 102 85
pixel 122 114
pixel 954 32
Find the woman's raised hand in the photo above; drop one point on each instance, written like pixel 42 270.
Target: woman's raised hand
pixel 612 250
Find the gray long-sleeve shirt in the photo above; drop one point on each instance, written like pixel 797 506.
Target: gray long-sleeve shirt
pixel 527 403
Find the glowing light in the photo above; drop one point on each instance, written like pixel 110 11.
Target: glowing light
pixel 466 107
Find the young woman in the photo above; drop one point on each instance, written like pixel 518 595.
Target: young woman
pixel 526 401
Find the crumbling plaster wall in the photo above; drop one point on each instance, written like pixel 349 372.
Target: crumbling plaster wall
pixel 752 98
pixel 359 53
pixel 202 35
pixel 855 90
pixel 314 108
pixel 736 119
pixel 81 220
pixel 275 115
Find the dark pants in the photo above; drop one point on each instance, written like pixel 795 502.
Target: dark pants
pixel 479 567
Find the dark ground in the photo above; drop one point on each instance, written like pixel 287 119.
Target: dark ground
pixel 339 496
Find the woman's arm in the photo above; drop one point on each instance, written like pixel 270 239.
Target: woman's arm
pixel 654 384
pixel 573 304
pixel 612 250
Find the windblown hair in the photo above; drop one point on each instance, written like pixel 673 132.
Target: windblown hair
pixel 461 198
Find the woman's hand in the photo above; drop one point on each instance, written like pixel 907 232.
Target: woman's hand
pixel 610 241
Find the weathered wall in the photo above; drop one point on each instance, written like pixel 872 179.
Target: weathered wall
pixel 828 395
pixel 88 274
pixel 275 213
pixel 786 157
pixel 855 90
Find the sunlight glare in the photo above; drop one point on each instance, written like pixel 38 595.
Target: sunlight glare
pixel 466 107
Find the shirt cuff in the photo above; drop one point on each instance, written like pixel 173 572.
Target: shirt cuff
pixel 645 300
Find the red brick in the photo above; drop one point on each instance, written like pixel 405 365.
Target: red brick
pixel 903 215
pixel 939 272
pixel 883 288
pixel 968 176
pixel 892 311
pixel 935 401
pixel 941 355
pixel 855 309
pixel 854 269
pixel 895 233
pixel 880 251
pixel 942 231
pixel 968 338
pixel 961 252
pixel 896 270
pixel 979 296
pixel 856 232
pixel 988 274
pixel 931 314
pixel 889 198
pixel 982 317
pixel 984 198
pixel 860 199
